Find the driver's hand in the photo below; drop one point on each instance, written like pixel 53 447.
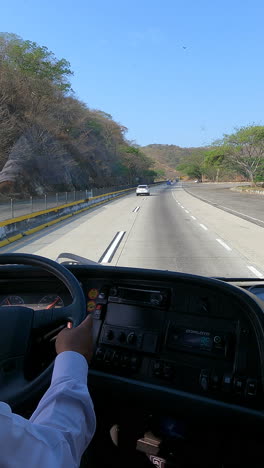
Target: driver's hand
pixel 77 339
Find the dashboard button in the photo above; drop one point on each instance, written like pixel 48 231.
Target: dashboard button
pixel 217 339
pixel 116 358
pixel 97 314
pixel 204 379
pixel 108 357
pixel 134 363
pixel 239 385
pixel 251 388
pixel 157 369
pixel 100 354
pixel 113 292
pixel 227 382
pixel 215 381
pixel 124 361
pixel 131 338
pixel 167 371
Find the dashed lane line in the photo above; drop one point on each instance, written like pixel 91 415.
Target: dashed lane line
pixel 224 244
pixel 256 272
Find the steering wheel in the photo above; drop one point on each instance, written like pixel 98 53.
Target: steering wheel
pixel 17 324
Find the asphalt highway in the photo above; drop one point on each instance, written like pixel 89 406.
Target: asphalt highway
pixel 248 206
pixel 169 230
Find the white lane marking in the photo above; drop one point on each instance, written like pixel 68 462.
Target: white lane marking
pixel 256 272
pixel 204 227
pixel 112 247
pixel 186 211
pixel 193 217
pixel 136 209
pixel 224 244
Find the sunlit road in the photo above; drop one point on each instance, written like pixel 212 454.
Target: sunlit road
pixel 249 206
pixel 169 230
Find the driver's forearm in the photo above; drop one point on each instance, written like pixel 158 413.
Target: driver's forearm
pixel 67 406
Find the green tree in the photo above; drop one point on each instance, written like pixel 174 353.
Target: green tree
pixel 243 150
pixel 193 166
pixel 214 163
pixel 135 162
pixel 34 60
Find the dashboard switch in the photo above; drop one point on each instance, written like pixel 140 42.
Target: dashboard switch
pixel 100 354
pixel 227 382
pixel 167 371
pixel 109 354
pixel 134 362
pixel 116 358
pixel 251 388
pixel 157 369
pixel 239 385
pixel 204 379
pixel 125 361
pixel 97 313
pixel 215 381
pixel 131 338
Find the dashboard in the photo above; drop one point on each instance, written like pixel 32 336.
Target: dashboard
pixel 180 335
pixel 157 332
pixel 33 301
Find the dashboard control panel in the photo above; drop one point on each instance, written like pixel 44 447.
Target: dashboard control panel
pixel 155 335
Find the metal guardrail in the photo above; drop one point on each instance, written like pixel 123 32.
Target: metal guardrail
pixel 19 207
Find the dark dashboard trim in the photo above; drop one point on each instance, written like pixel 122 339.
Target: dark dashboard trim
pixel 188 403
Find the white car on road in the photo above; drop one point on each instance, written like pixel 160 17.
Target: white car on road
pixel 142 190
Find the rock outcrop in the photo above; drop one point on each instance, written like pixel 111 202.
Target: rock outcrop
pixel 39 162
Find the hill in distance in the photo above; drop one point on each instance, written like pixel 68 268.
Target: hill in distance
pixel 167 157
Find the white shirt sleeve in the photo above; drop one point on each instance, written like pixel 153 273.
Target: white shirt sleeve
pixel 60 429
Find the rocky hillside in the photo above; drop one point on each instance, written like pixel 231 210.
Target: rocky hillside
pixel 51 141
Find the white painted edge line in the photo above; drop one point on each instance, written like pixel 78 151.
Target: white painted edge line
pixel 193 217
pixel 229 209
pixel 224 244
pixel 186 211
pixel 204 227
pixel 256 272
pixel 136 209
pixel 112 247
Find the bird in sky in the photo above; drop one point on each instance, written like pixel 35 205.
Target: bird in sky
pixel 184 47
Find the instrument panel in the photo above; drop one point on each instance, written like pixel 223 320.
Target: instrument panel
pixel 35 301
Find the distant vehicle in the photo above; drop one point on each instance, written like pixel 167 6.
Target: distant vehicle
pixel 142 190
pixel 168 182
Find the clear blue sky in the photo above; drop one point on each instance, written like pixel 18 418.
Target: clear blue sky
pixel 128 60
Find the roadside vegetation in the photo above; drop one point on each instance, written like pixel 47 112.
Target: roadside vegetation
pixel 238 156
pixel 36 99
